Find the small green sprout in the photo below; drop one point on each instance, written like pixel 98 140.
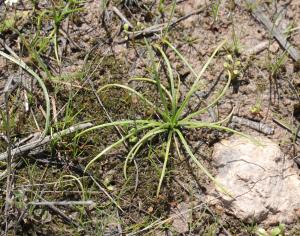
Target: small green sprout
pixel 126 27
pixel 277 231
pixel 233 66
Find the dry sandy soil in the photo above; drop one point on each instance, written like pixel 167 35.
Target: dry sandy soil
pixel 93 45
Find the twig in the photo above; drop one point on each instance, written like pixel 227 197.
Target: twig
pixel 277 121
pixel 257 49
pixel 9 154
pixel 32 145
pixel 260 16
pixel 52 207
pixel 106 193
pixel 122 17
pixel 26 103
pixel 62 215
pixel 61 203
pixel 159 27
pixel 3 136
pixel 53 102
pixel 259 126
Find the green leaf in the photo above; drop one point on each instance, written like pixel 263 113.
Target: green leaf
pixel 22 64
pixel 261 232
pixel 276 231
pixel 171 78
pixel 163 172
pixel 115 144
pixel 196 83
pixel 136 93
pixel 122 123
pixel 208 174
pixel 133 151
pixel 158 82
pixel 153 82
pixel 214 102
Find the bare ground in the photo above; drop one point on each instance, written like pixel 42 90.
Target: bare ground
pixel 94 51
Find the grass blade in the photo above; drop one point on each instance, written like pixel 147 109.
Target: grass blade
pixel 196 83
pixel 132 153
pixel 215 101
pixel 136 93
pixel 19 62
pixel 79 183
pixel 115 123
pixel 156 77
pixel 152 81
pixel 171 78
pixel 181 57
pixel 194 125
pixel 115 144
pixel 163 172
pixel 189 151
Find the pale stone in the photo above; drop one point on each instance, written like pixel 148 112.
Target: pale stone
pixel 264 183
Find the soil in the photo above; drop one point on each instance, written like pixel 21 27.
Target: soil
pixel 95 50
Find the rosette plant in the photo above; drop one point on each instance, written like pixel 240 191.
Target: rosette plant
pixel 171 116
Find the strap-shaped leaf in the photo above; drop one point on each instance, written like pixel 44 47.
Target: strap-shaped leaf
pixel 19 62
pixel 166 157
pixel 196 83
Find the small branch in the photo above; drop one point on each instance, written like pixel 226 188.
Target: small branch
pixel 260 16
pixel 8 157
pixel 61 203
pixel 62 215
pixel 32 145
pixel 122 17
pixel 257 49
pixel 259 126
pixel 159 27
pixel 280 123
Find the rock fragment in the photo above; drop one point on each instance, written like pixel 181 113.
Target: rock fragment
pixel 264 183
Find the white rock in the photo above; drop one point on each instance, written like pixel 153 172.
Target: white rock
pixel 265 184
pixel 11 2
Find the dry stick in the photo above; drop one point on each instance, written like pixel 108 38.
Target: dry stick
pixel 259 126
pixel 122 17
pixel 277 121
pixel 260 16
pixel 159 27
pixel 83 172
pixel 256 49
pixel 32 145
pixel 3 136
pixel 9 154
pixel 61 213
pixel 61 203
pixel 52 207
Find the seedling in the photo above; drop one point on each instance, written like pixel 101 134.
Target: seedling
pixel 277 64
pixel 172 117
pixel 40 42
pixel 215 8
pixel 234 66
pixel 277 231
pixel 257 107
